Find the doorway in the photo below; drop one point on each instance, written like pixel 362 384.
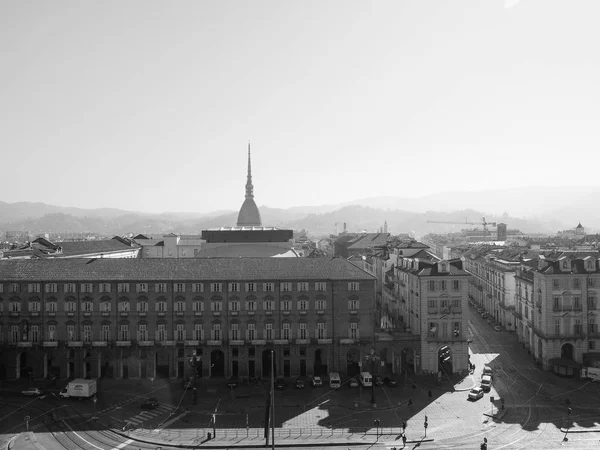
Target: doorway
pixel 217 363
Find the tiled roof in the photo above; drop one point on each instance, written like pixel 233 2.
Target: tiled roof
pixel 85 247
pixel 370 240
pixel 181 269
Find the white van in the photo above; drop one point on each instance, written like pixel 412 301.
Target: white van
pixel 334 380
pixel 366 379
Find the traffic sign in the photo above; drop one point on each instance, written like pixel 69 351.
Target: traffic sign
pixel 27 418
pixel 425 424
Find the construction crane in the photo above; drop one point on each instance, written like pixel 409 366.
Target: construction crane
pixel 483 222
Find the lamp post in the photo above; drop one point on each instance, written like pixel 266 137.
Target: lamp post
pixel 373 359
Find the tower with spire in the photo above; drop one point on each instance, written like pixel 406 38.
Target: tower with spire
pixel 249 216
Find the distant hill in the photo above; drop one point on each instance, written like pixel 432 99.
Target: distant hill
pixel 534 210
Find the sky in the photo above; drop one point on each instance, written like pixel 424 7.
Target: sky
pixel 149 105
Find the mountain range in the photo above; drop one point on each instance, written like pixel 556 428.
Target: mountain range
pixel 542 210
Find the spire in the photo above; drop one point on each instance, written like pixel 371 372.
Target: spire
pixel 249 187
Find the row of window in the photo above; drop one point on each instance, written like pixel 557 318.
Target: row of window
pixel 32 333
pixel 176 287
pixel 444 303
pixel 575 283
pixel 443 285
pixel 576 324
pixel 285 305
pixel 442 329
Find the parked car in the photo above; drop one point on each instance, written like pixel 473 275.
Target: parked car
pixel 353 383
pixel 300 383
pixel 497 328
pixel 233 382
pixel 280 384
pixel 316 381
pixel 486 383
pixel 487 370
pixel 475 394
pixel 390 382
pixel 33 391
pixel 150 403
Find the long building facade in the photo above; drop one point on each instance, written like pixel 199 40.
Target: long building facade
pixel 145 318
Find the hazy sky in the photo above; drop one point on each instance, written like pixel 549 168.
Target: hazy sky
pixel 149 105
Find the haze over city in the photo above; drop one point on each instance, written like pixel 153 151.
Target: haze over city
pixel 149 106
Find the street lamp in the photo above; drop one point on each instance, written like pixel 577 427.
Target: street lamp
pixel 374 360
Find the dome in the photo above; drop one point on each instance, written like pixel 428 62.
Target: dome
pixel 249 214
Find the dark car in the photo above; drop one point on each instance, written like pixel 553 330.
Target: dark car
pixel 280 384
pixel 300 383
pixel 390 382
pixel 150 403
pixel 378 381
pixel 233 382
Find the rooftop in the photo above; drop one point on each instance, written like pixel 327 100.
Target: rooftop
pixel 201 269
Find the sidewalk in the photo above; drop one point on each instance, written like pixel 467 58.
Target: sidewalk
pixel 252 438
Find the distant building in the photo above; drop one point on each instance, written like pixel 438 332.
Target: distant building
pixel 249 238
pixel 350 244
pixel 42 248
pixel 169 246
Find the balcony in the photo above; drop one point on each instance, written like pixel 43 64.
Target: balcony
pixel 50 344
pixel 347 341
pixel 161 313
pixel 303 312
pixel 236 342
pixel 214 342
pixel 269 312
pixel 74 343
pixel 87 314
pixel 179 313
pixel 192 343
pixel 123 343
pixel 105 313
pixel 324 341
pixel 216 313
pixel 99 344
pixel 167 343
pixel 302 341
pixel 197 313
pixel 320 312
pixel 437 338
pixel 142 313
pixel 250 313
pixel 286 313
pixel 51 313
pixel 24 344
pixel 123 313
pixel 234 313
pixel 258 342
pixel 34 314
pixel 15 313
pixel 353 312
pixel 144 343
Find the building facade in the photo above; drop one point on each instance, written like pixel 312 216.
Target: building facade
pixel 492 284
pixel 558 312
pixel 143 318
pixel 434 306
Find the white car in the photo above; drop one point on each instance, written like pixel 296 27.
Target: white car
pixel 475 394
pixel 32 391
pixel 316 381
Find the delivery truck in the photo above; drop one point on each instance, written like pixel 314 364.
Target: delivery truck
pixel 590 373
pixel 80 388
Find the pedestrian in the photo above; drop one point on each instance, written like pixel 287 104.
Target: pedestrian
pixel 409 401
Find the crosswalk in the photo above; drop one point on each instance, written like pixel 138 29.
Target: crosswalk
pixel 145 415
